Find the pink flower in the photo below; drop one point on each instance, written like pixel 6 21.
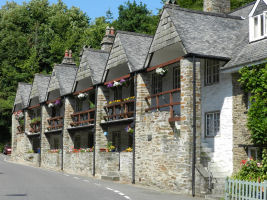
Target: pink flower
pixel 122 80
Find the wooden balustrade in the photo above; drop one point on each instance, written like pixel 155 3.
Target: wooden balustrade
pixel 35 127
pixel 159 101
pixel 119 110
pixel 83 118
pixel 55 123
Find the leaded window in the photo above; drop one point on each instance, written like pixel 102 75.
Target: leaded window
pixel 212 71
pixel 212 123
pixel 156 83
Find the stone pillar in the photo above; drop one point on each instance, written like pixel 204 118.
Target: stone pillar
pixel 28 144
pixel 67 141
pixel 217 6
pixel 101 140
pixel 108 39
pixel 186 66
pixel 44 141
pixel 241 134
pixel 14 135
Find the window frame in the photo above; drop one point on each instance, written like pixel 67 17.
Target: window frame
pixel 211 72
pixel 262 26
pixel 156 83
pixel 206 124
pixel 176 79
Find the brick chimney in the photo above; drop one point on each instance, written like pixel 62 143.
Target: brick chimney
pixel 68 59
pixel 217 6
pixel 108 39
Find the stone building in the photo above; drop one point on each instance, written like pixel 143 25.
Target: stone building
pixel 165 111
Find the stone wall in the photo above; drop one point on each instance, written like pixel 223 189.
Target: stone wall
pixel 79 163
pixel 51 160
pixel 126 160
pixel 240 130
pixel 163 149
pixel 32 158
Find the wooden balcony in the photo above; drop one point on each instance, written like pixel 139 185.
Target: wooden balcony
pixel 166 101
pixel 83 118
pixel 35 127
pixel 55 123
pixel 119 110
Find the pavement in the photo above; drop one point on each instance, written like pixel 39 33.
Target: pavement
pixel 20 182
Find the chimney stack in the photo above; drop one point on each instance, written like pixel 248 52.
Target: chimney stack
pixel 108 39
pixel 217 6
pixel 68 58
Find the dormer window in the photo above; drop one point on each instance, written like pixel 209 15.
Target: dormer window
pixel 258 27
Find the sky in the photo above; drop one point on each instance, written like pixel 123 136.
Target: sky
pixel 96 8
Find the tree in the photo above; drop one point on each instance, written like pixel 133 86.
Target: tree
pixel 33 37
pixel 135 17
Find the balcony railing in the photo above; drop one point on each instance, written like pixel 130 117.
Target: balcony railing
pixel 35 127
pixel 55 123
pixel 166 101
pixel 83 118
pixel 120 110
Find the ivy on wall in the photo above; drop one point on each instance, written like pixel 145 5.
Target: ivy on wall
pixel 254 81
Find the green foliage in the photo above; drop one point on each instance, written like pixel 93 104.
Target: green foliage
pixel 35 120
pixel 198 4
pixel 33 37
pixel 2 146
pixel 253 170
pixel 135 17
pixel 254 80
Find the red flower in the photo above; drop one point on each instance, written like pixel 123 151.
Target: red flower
pixel 243 162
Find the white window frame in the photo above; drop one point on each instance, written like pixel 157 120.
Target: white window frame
pixel 252 27
pixel 210 72
pixel 214 132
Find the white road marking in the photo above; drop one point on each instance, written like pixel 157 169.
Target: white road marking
pixel 76 177
pixel 126 197
pixel 116 191
pixel 109 188
pixel 121 194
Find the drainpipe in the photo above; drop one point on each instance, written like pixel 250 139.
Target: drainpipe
pixel 41 128
pixel 62 133
pixel 194 129
pixel 96 92
pixel 135 94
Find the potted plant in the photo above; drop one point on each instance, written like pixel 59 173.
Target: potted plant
pixel 110 147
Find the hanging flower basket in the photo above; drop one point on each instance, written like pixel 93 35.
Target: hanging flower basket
pixel 161 71
pixel 82 96
pixel 51 105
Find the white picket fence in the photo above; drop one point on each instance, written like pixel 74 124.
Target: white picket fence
pixel 245 190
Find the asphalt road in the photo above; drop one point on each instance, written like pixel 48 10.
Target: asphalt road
pixel 19 182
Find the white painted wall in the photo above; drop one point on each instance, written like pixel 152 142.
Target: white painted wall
pixel 218 97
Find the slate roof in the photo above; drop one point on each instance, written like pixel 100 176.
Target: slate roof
pixel 23 94
pixel 244 10
pixel 65 75
pixel 42 83
pixel 205 33
pixel 92 65
pixel 136 47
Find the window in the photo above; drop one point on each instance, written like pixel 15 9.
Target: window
pixel 156 83
pixel 78 105
pixel 176 77
pixel 253 153
pixel 258 27
pixel 212 70
pixel 77 142
pixel 118 93
pixel 116 140
pixel 56 143
pixel 212 124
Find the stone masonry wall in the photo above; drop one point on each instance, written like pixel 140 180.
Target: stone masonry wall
pixel 163 149
pixel 217 6
pixel 240 130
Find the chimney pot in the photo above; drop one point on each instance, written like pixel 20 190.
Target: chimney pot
pixel 112 31
pixel 107 30
pixel 66 54
pixel 70 54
